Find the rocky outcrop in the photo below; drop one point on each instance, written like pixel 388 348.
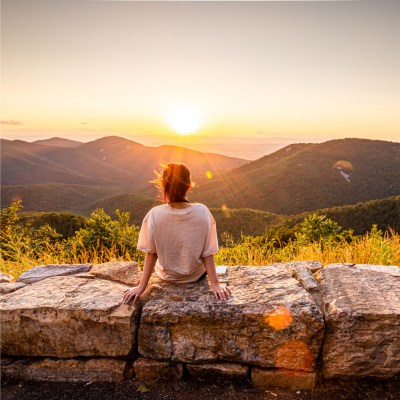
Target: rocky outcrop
pixel 66 316
pixel 271 329
pixel 361 304
pixel 269 321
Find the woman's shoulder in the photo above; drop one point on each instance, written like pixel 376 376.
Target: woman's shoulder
pixel 199 205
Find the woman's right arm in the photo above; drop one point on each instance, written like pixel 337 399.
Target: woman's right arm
pixel 134 293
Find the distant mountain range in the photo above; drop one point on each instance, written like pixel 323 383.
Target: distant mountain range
pixel 109 161
pixel 306 177
pixel 58 175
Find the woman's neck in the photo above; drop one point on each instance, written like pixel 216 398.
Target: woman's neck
pixel 179 203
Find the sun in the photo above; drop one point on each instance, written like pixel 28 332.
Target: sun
pixel 184 120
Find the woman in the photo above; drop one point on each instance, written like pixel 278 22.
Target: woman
pixel 179 237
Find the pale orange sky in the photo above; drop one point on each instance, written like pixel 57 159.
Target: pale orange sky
pixel 85 69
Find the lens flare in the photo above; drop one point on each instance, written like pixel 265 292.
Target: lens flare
pixel 279 319
pixel 295 354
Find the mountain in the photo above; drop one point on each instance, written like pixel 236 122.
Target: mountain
pixel 109 161
pixel 58 142
pixel 306 177
pixel 55 196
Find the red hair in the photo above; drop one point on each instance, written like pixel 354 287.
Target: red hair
pixel 174 182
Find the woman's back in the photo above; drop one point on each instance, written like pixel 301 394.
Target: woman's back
pixel 180 237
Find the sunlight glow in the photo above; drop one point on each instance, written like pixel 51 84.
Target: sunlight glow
pixel 184 120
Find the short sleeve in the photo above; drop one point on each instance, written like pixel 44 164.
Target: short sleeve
pixel 211 242
pixel 146 236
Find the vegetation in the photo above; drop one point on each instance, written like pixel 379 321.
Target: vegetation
pixel 100 238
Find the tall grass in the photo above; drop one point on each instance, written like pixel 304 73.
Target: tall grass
pixel 103 239
pixel 372 248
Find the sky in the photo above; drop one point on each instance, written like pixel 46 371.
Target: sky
pixel 84 69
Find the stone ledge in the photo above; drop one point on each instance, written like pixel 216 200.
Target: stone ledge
pixel 269 320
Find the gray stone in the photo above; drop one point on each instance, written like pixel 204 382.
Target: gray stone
pixel 36 274
pixel 65 316
pixel 67 370
pixel 269 320
pixel 218 370
pixel 128 273
pixel 303 272
pixel 312 266
pixel 387 269
pixel 5 278
pixel 362 314
pixel 11 287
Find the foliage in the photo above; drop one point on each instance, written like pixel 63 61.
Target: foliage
pixel 102 238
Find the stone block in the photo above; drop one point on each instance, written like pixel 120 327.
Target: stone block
pixel 218 370
pixel 362 314
pixel 269 320
pixel 41 272
pixel 65 317
pixel 128 273
pixel 65 370
pixel 283 378
pixel 154 370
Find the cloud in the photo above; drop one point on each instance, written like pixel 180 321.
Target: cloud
pixel 11 122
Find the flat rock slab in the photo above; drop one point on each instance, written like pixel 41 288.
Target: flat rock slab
pixel 11 287
pixel 269 320
pixel 68 370
pixel 362 314
pixel 128 273
pixel 65 317
pixel 41 272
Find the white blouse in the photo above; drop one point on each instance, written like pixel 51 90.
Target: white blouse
pixel 180 237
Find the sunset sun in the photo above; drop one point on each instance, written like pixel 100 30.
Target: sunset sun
pixel 184 120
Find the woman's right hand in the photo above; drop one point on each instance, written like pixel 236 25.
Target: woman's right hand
pixel 132 293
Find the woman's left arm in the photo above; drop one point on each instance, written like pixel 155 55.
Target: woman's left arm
pixel 220 292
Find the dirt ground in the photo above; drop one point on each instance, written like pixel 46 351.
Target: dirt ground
pixel 190 389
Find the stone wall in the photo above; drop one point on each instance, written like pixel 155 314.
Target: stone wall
pixel 284 325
